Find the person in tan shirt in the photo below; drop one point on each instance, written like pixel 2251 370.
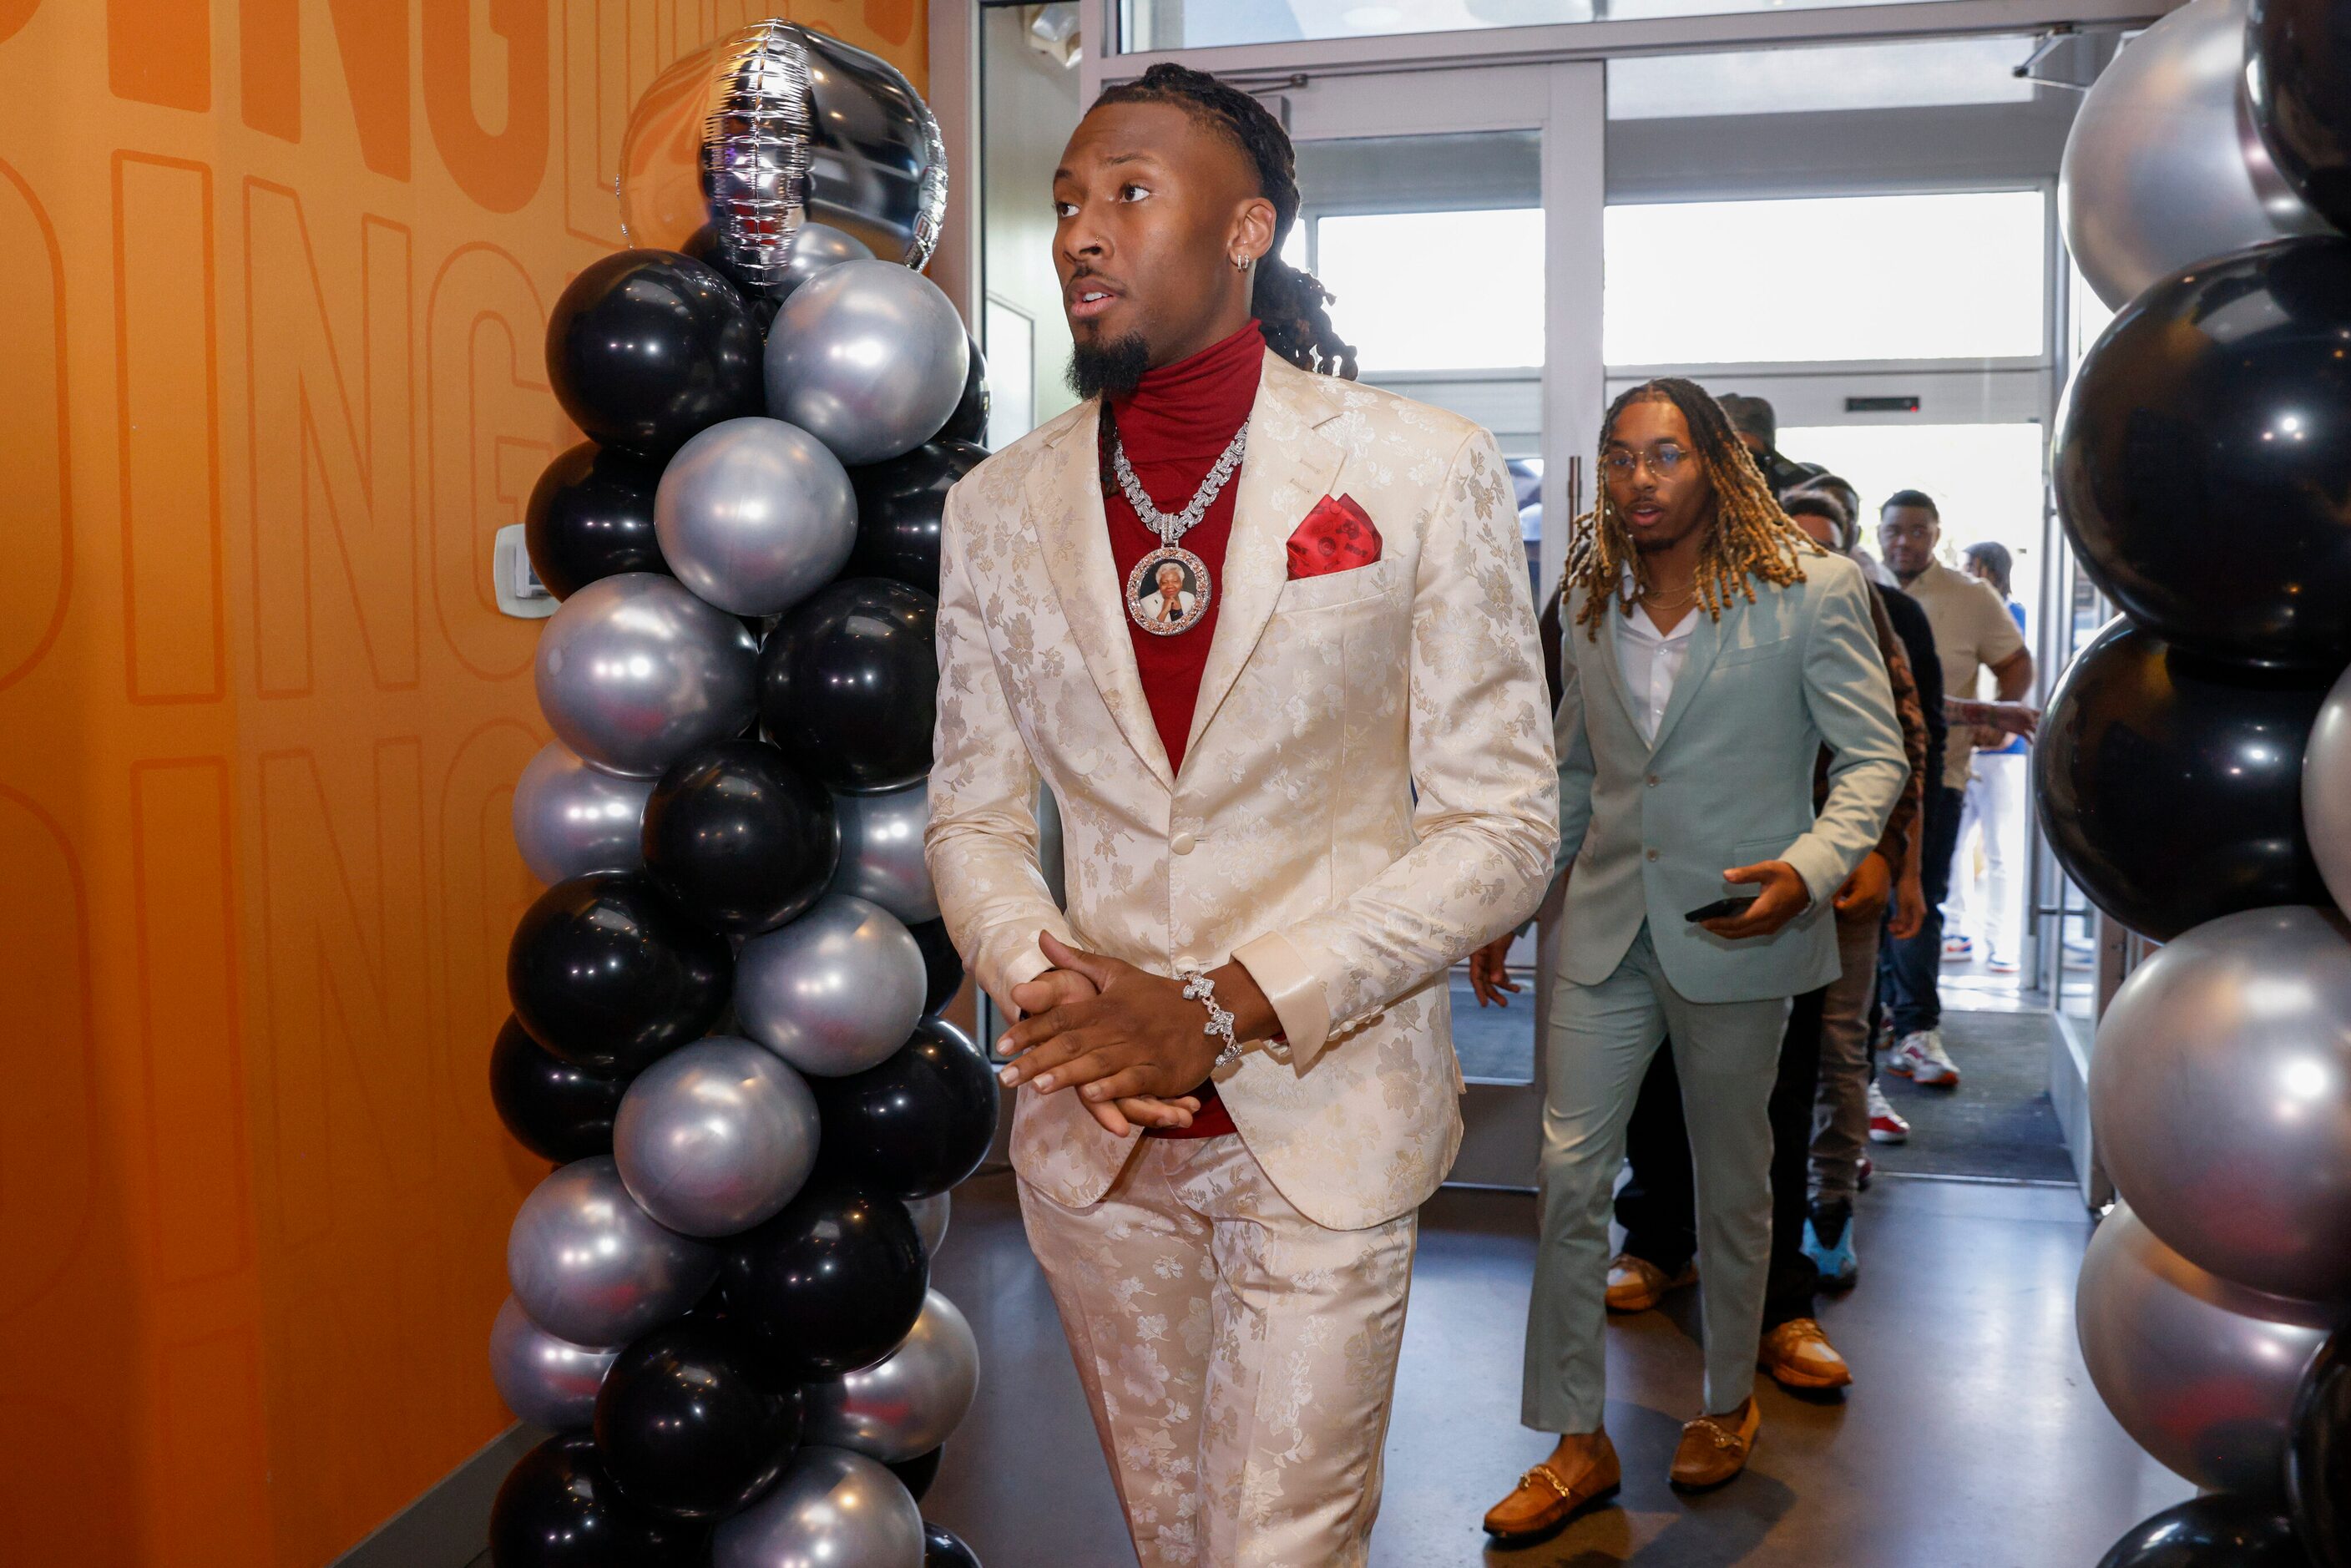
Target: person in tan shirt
pixel 1973 633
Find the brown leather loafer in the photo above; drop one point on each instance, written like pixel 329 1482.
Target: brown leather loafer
pixel 1635 1284
pixel 1714 1448
pixel 1546 1499
pixel 1799 1356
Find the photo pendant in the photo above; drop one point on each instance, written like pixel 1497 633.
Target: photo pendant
pixel 1171 608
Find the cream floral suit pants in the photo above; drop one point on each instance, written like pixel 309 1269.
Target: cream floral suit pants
pixel 1238 1358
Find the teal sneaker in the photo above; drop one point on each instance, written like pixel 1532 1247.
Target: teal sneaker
pixel 1837 1265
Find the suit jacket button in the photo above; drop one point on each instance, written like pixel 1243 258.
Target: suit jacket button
pixel 1653 781
pixel 1653 854
pixel 1182 843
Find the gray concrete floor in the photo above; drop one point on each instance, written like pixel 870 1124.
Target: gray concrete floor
pixel 1971 1438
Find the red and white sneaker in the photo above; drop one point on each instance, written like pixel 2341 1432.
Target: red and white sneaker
pixel 1920 1059
pixel 1864 1172
pixel 1885 1124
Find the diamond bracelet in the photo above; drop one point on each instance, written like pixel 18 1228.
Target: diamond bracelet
pixel 1198 988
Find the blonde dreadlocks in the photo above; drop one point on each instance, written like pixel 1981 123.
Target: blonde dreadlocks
pixel 1750 536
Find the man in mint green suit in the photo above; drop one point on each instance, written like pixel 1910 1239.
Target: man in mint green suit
pixel 1710 653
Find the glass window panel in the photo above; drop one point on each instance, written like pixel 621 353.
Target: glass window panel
pixel 1986 480
pixel 1389 272
pixel 1944 276
pixel 1202 24
pixel 1935 72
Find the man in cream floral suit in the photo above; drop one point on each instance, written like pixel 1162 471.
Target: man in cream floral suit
pixel 1284 818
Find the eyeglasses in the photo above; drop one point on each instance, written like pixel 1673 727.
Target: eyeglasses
pixel 1665 460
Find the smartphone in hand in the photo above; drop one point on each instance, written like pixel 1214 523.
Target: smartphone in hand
pixel 1721 909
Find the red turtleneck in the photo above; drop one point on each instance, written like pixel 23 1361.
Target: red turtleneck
pixel 1174 426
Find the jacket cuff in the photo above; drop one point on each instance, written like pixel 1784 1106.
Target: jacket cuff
pixel 1818 865
pixel 1023 967
pixel 1274 962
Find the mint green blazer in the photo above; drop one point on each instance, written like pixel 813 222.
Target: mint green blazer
pixel 1648 830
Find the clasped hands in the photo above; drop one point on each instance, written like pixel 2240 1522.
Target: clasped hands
pixel 1128 1041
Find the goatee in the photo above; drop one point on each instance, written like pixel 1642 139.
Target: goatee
pixel 1109 369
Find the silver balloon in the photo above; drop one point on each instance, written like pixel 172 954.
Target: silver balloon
pixel 772 130
pixel 833 1509
pixel 817 247
pixel 546 1381
pixel 571 818
pixel 716 1137
pixel 834 992
pixel 2200 1371
pixel 634 672
pixel 868 358
pixel 931 1219
pixel 2326 791
pixel 2163 166
pixel 755 515
pixel 2221 1091
pixel 910 1401
pixel 591 1266
pixel 881 850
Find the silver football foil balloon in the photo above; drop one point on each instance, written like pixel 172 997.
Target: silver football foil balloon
pixel 755 515
pixel 2326 791
pixel 591 1266
pixel 546 1381
pixel 868 358
pixel 910 1401
pixel 634 672
pixel 834 992
pixel 2200 1371
pixel 931 1219
pixel 774 128
pixel 833 1509
pixel 716 1137
pixel 2222 1095
pixel 571 818
pixel 2163 166
pixel 881 850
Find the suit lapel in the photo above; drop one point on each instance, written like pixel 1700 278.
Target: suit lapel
pixel 1289 466
pixel 1065 493
pixel 1706 643
pixel 1603 649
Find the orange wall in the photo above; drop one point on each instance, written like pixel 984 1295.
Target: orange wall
pixel 272 280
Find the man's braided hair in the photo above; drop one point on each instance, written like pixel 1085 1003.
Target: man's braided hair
pixel 1749 537
pixel 1287 303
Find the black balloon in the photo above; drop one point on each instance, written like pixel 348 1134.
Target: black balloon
pixel 829 1285
pixel 2298 82
pixel 919 1472
pixel 969 421
pixel 848 684
pixel 558 1510
pixel 899 505
pixel 743 840
pixel 919 1122
pixel 591 515
pixel 2319 1456
pixel 943 1548
pixel 2203 464
pixel 607 973
pixel 941 965
pixel 2216 1532
pixel 647 347
pixel 2171 786
pixel 684 1428
pixel 557 1111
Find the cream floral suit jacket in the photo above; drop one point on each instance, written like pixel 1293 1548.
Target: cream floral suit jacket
pixel 1368 792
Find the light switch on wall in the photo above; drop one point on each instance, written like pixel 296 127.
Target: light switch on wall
pixel 519 592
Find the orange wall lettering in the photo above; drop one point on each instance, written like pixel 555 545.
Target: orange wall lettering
pixel 280 272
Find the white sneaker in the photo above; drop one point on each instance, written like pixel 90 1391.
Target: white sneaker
pixel 1920 1059
pixel 1886 1125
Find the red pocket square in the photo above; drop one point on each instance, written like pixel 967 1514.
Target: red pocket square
pixel 1337 535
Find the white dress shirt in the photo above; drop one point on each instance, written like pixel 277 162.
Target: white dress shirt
pixel 1651 661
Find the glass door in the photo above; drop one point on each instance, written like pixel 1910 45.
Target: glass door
pixel 1455 217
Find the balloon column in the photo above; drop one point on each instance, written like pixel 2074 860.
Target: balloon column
pixel 725 1030
pixel 2194 771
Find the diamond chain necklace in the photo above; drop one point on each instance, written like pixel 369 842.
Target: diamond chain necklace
pixel 1171 529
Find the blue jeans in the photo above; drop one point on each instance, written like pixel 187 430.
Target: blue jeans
pixel 1908 971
